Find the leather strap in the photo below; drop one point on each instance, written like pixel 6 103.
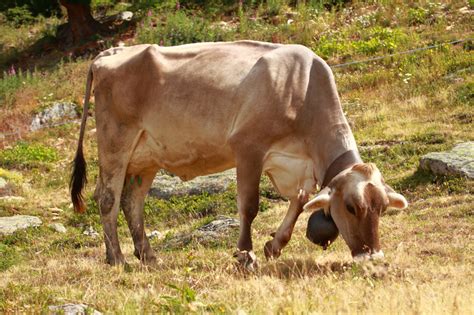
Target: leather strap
pixel 344 161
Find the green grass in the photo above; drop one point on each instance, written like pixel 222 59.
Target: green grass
pixel 8 257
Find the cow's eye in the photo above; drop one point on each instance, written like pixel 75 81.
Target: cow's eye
pixel 350 209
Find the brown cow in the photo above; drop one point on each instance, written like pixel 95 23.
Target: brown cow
pixel 203 108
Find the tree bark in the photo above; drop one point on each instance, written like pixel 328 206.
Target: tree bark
pixel 81 23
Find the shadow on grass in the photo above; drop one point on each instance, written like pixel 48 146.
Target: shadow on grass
pixel 438 183
pixel 49 52
pixel 298 268
pixel 308 268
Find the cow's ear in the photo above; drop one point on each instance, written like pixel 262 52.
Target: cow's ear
pixel 321 200
pixel 395 200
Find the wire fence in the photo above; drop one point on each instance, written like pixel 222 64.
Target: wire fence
pixel 406 52
pixel 19 133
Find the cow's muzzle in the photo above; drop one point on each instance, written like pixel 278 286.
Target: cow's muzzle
pixel 377 255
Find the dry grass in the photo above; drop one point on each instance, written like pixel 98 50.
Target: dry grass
pixel 428 269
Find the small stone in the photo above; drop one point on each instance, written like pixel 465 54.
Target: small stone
pixel 465 10
pixel 125 16
pixel 459 161
pixel 58 227
pixel 73 309
pixel 3 183
pixel 56 210
pixel 156 235
pixel 89 231
pixel 9 225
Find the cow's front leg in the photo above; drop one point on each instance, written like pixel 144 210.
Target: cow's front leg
pixel 248 179
pixel 132 201
pixel 282 236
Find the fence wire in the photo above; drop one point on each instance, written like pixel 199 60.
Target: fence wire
pixel 18 134
pixel 407 52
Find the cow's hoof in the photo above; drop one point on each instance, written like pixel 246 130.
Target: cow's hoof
pixel 271 250
pixel 146 257
pixel 150 261
pixel 246 259
pixel 115 260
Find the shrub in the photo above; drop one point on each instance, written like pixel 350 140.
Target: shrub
pixel 11 82
pixel 27 155
pixel 417 16
pixel 34 7
pixel 379 39
pixel 464 94
pixel 18 16
pixel 178 29
pixel 328 46
pixel 8 257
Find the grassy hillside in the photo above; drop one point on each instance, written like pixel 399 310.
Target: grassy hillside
pixel 400 108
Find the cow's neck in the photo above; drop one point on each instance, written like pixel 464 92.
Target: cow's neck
pixel 344 161
pixel 337 152
pixel 332 136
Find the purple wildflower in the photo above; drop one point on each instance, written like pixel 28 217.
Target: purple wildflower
pixel 12 71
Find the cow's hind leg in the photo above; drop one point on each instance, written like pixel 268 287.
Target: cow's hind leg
pixel 249 170
pixel 282 236
pixel 107 195
pixel 133 197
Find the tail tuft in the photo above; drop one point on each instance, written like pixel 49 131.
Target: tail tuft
pixel 78 181
pixel 79 176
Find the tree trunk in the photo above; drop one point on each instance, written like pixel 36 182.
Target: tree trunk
pixel 81 23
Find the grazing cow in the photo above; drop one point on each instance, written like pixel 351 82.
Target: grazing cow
pixel 203 108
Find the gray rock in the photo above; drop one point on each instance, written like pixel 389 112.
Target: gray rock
pixel 73 309
pixel 89 231
pixel 459 161
pixel 9 225
pixel 166 186
pixel 220 224
pixel 59 111
pixel 58 227
pixel 214 232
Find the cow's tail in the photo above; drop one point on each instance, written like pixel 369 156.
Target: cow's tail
pixel 79 172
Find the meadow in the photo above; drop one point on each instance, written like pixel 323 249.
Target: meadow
pixel 399 107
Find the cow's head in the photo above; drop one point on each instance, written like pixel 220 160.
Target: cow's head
pixel 355 199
